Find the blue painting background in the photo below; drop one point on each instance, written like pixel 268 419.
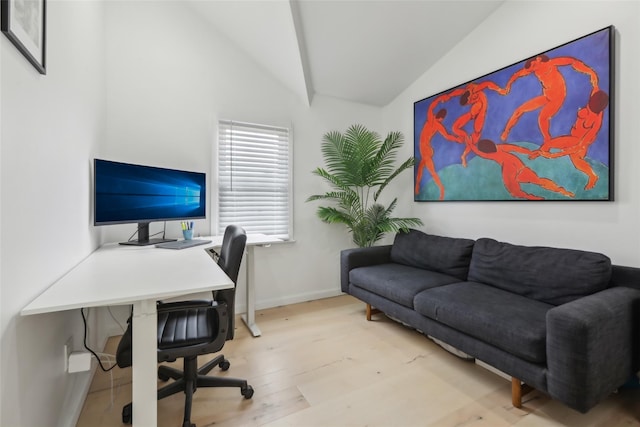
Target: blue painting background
pixel 594 51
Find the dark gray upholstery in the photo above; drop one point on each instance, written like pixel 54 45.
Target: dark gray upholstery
pixel 564 321
pixel 511 322
pixel 592 346
pixel 624 276
pixel 436 253
pixel 361 257
pixel 551 275
pixel 399 283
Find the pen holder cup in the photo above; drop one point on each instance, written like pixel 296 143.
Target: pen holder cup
pixel 188 234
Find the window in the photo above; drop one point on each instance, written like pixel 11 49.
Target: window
pixel 254 178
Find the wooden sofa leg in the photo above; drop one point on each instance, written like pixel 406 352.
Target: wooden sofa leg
pixel 371 311
pixel 518 389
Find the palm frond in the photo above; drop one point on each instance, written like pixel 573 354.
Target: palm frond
pixel 357 162
pixel 406 165
pixel 384 159
pixel 333 215
pixel 336 181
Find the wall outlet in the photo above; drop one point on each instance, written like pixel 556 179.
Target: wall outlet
pixel 68 348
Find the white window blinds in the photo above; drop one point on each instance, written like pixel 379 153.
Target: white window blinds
pixel 254 186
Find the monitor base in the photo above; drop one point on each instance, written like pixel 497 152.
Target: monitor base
pixel 146 242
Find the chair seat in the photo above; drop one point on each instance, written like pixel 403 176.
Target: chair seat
pixel 186 328
pixel 190 328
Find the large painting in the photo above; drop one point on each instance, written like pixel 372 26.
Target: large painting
pixel 540 129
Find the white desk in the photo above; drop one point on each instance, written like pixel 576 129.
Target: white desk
pixel 253 240
pixel 115 275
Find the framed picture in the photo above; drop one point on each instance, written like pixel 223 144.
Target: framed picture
pixel 24 23
pixel 540 129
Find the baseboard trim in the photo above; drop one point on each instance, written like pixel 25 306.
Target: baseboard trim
pixel 76 393
pixel 241 307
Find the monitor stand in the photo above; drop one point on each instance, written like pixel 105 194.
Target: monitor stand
pixel 143 237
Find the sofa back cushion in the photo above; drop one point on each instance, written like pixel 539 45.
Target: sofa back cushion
pixel 551 275
pixel 436 253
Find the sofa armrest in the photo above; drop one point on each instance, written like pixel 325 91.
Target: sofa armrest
pixel 361 257
pixel 592 346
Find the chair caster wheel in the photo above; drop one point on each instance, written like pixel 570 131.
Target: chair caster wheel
pixel 126 414
pixel 163 377
pixel 188 424
pixel 247 392
pixel 224 365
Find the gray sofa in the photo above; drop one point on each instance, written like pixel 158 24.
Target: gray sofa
pixel 565 322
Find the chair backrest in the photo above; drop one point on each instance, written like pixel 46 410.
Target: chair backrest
pixel 233 244
pixel 231 252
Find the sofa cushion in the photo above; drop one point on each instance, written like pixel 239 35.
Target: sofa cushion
pixel 508 321
pixel 396 282
pixel 446 255
pixel 551 275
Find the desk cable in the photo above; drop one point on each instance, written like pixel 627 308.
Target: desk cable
pixel 164 230
pixel 110 358
pixel 84 321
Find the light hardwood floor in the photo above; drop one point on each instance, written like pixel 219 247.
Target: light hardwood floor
pixel 322 364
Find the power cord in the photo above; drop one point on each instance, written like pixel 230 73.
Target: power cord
pixel 163 232
pixel 134 233
pixel 84 321
pixel 109 358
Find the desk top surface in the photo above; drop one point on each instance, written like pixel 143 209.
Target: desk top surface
pixel 116 274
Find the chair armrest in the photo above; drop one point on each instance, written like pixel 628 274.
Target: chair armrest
pixel 184 305
pixel 592 346
pixel 361 257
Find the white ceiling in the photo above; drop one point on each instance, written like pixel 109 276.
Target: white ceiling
pixel 366 51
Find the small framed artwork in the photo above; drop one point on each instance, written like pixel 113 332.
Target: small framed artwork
pixel 540 129
pixel 24 23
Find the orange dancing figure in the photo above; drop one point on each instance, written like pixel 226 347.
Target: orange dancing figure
pixel 554 90
pixel 474 96
pixel 432 126
pixel 583 133
pixel 514 171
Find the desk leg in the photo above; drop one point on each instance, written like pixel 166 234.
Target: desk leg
pixel 250 317
pixel 145 361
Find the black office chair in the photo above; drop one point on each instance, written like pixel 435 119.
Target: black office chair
pixel 189 328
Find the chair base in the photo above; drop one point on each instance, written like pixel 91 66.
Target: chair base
pixel 188 382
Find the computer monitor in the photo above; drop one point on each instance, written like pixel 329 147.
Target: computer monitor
pixel 126 193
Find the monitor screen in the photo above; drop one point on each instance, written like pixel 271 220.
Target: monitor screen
pixel 128 193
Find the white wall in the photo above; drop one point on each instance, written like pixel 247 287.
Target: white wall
pixel 517 30
pixel 51 126
pixel 170 75
pixel 144 82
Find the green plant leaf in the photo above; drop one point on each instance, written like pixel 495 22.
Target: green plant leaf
pixel 358 166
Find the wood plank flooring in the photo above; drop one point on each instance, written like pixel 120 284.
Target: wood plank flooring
pixel 322 364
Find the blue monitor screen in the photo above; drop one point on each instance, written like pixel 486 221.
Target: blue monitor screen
pixel 127 193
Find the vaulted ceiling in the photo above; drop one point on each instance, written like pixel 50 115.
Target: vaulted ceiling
pixel 365 51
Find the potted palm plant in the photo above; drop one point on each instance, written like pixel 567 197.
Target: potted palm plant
pixel 359 165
